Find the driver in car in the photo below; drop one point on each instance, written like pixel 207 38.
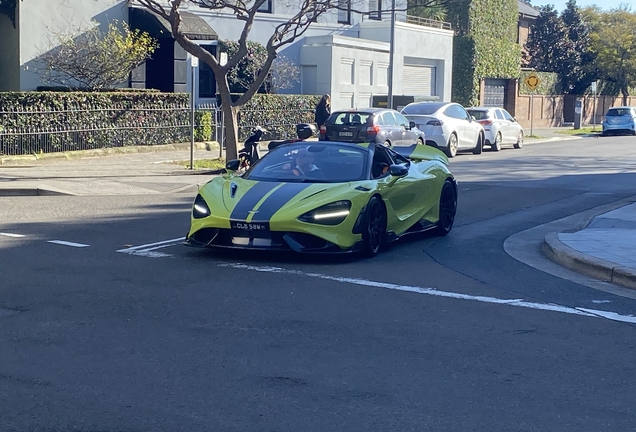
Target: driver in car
pixel 304 165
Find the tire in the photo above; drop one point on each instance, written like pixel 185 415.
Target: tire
pixel 374 227
pixel 451 147
pixel 497 144
pixel 480 144
pixel 420 141
pixel 519 142
pixel 447 209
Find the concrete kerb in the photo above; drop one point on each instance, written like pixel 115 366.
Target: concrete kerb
pixel 594 267
pixel 78 154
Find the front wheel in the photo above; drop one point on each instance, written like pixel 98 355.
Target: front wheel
pixel 447 209
pixel 374 227
pixel 519 142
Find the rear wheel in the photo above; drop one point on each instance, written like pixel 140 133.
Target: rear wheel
pixel 480 144
pixel 519 142
pixel 374 227
pixel 497 145
pixel 451 148
pixel 447 209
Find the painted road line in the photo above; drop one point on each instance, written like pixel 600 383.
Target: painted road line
pixel 65 243
pixel 11 235
pixel 434 292
pixel 148 250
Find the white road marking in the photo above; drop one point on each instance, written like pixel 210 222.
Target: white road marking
pixel 65 243
pixel 11 235
pixel 434 292
pixel 147 250
pixel 601 301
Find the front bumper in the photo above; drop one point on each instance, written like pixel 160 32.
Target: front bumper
pixel 266 240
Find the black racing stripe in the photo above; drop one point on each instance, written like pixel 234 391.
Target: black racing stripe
pixel 250 199
pixel 278 199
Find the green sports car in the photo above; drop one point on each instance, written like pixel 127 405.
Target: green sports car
pixel 326 197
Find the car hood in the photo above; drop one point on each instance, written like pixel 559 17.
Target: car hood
pixel 259 201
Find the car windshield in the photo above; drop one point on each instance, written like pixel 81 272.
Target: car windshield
pixel 479 114
pixel 349 118
pixel 313 163
pixel 619 112
pixel 423 108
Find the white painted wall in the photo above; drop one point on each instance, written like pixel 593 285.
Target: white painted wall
pixel 40 20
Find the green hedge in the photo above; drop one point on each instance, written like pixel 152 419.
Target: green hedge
pixel 43 122
pixel 484 46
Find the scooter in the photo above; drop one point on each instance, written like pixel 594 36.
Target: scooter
pixel 303 131
pixel 248 155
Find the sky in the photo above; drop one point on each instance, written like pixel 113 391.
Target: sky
pixel 559 5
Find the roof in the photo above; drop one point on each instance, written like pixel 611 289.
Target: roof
pixel 192 26
pixel 526 10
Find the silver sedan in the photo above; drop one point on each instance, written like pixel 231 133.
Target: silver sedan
pixel 447 126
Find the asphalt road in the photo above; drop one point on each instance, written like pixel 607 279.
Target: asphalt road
pixel 110 324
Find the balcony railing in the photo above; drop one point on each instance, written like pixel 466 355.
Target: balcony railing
pixel 427 22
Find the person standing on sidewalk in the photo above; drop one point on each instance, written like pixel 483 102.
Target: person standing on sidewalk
pixel 323 110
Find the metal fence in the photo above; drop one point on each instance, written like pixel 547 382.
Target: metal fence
pixel 58 130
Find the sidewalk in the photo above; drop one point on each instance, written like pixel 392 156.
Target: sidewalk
pixel 604 249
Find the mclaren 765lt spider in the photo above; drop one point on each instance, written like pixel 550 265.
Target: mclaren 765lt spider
pixel 326 197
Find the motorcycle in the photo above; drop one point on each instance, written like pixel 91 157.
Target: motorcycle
pixel 303 132
pixel 248 155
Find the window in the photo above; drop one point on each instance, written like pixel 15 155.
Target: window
pixel 499 115
pixel 375 9
pixel 402 121
pixel 207 82
pixel 344 11
pixel 265 7
pixel 507 116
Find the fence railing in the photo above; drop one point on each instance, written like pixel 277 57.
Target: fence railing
pixel 427 22
pixel 27 131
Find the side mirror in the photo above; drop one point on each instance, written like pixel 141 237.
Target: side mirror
pixel 398 170
pixel 233 165
pixel 412 125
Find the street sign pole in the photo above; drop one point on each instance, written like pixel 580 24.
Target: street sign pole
pixel 531 110
pixel 532 81
pixel 194 63
pixel 594 107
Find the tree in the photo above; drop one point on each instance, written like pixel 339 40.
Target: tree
pixel 283 73
pixel 614 41
pixel 549 47
pixel 579 70
pixel 91 59
pixel 306 13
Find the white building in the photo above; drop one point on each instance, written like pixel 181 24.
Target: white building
pixel 344 54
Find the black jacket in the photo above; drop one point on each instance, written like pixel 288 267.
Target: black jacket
pixel 322 113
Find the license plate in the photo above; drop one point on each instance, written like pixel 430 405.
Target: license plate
pixel 250 226
pixel 347 134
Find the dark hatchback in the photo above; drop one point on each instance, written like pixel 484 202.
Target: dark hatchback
pixel 377 125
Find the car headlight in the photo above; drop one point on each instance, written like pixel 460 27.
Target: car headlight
pixel 200 208
pixel 330 214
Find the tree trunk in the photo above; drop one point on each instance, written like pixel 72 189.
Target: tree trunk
pixel 625 93
pixel 230 117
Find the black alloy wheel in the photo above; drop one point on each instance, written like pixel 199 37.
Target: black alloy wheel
pixel 374 227
pixel 447 209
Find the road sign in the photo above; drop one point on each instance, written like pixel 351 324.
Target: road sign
pixel 532 81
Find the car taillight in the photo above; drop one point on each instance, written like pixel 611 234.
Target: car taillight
pixel 484 122
pixel 435 123
pixel 323 129
pixel 373 130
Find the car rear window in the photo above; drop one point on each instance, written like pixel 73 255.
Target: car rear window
pixel 619 112
pixel 349 118
pixel 423 109
pixel 479 114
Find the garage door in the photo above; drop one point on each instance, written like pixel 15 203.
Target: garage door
pixel 495 92
pixel 419 80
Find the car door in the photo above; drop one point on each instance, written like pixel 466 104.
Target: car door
pixel 502 126
pixel 393 133
pixel 408 136
pixel 469 128
pixel 513 127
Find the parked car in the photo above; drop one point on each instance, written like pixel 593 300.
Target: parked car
pixel 447 126
pixel 620 120
pixel 500 127
pixel 376 125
